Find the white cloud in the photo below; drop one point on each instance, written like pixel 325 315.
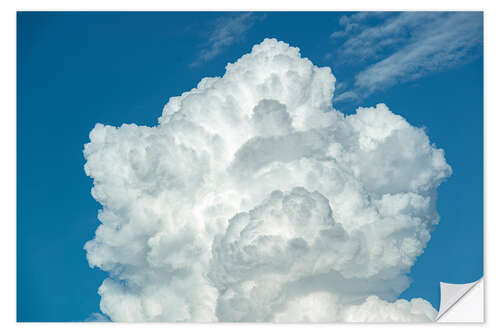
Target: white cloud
pixel 253 198
pixel 345 96
pixel 97 317
pixel 227 30
pixel 355 22
pixel 408 45
pixel 443 45
pixel 325 307
pixel 367 39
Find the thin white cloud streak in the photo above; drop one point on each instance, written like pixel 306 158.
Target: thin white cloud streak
pixel 418 43
pixel 444 44
pixel 354 22
pixel 366 41
pixel 346 96
pixel 97 317
pixel 227 30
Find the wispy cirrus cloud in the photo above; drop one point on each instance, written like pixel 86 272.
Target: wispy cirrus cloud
pixel 406 46
pixel 97 317
pixel 355 22
pixel 227 30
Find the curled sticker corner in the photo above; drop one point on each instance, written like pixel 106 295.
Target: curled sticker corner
pixel 451 294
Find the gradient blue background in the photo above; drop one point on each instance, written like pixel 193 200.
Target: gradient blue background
pixel 77 69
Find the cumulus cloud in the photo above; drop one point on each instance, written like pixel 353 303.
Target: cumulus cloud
pixel 325 307
pixel 253 199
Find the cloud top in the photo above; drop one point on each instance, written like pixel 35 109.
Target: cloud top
pixel 253 199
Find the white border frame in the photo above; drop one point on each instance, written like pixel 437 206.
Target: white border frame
pixel 8 151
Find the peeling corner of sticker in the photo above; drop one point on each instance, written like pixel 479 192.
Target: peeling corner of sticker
pixel 461 302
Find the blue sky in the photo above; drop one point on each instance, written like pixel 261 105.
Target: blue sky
pixel 77 69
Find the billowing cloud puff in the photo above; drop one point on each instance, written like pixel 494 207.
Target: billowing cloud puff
pixel 254 200
pixel 324 307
